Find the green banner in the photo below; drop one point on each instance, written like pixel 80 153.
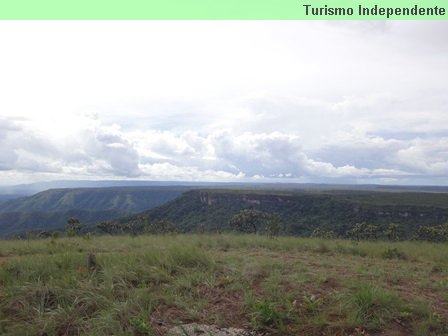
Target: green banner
pixel 223 10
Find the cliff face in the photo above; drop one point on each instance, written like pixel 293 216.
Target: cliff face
pixel 211 198
pixel 301 213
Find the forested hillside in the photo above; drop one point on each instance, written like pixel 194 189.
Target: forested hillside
pixel 301 213
pixel 50 209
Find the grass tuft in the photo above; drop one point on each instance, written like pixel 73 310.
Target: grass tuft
pixel 373 307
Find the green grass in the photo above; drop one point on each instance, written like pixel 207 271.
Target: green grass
pixel 283 286
pixel 374 306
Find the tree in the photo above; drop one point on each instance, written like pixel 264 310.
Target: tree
pixel 138 225
pixel 201 228
pixel 363 231
pixel 162 226
pixel 44 234
pixel 437 233
pixel 248 221
pixel 392 231
pixel 323 234
pixel 273 225
pixel 72 227
pixel 108 227
pixel 355 232
pixel 135 226
pixel 371 232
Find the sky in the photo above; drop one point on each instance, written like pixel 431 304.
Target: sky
pixel 240 101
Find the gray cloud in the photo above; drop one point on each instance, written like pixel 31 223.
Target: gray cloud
pixel 117 153
pixel 96 151
pixel 223 155
pixel 416 156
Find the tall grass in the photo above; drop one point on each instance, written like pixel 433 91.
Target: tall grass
pixel 49 286
pixel 374 306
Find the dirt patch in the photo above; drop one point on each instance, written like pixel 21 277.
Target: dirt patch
pixel 438 304
pixel 195 329
pixel 224 306
pixel 314 330
pixel 223 309
pixel 390 330
pixel 4 259
pixel 165 317
pixel 394 329
pixel 330 283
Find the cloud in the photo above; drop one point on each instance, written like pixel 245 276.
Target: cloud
pixel 425 156
pixel 111 153
pixel 9 129
pixel 108 151
pixel 97 151
pixel 297 101
pixel 421 158
pixel 167 171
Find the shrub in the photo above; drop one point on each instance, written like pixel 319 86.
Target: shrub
pixel 363 231
pixel 437 233
pixel 266 314
pixel 393 253
pixel 141 328
pixel 323 234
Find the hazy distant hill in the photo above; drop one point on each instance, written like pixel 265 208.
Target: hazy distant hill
pixel 33 188
pixel 302 212
pixel 50 209
pixel 7 197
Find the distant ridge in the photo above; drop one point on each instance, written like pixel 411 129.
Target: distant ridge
pixel 95 201
pixel 32 188
pixel 50 209
pixel 302 212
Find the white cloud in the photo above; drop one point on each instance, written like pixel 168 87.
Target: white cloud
pixel 108 151
pixel 306 101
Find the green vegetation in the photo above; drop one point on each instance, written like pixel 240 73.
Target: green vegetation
pixel 254 221
pixel 358 215
pixel 143 285
pixel 49 210
pixel 437 233
pixel 72 227
pixel 286 210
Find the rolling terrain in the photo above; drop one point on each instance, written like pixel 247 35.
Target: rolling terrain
pixel 164 284
pixel 302 212
pixel 302 208
pixel 50 209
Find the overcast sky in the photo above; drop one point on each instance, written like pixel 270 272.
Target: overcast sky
pixel 337 102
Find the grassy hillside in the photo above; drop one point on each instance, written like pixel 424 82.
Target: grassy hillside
pixel 50 209
pixel 19 223
pixel 129 199
pixel 8 197
pixel 302 212
pixel 285 286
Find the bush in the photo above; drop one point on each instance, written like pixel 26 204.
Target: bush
pixel 141 328
pixel 267 314
pixel 393 253
pixel 437 233
pixel 323 234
